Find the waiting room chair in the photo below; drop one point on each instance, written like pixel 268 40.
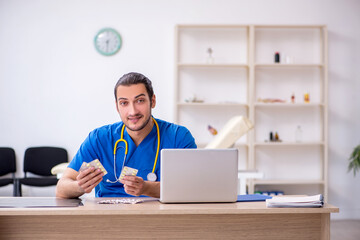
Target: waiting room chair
pixel 7 166
pixel 39 161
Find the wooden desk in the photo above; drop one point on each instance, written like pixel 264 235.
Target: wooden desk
pixel 151 219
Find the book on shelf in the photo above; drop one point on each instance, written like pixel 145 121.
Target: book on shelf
pixel 295 202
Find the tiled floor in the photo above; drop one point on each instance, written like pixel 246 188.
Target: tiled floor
pixel 345 229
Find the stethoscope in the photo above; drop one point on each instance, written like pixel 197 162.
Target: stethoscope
pixel 152 175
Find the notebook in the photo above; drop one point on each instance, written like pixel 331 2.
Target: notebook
pixel 198 175
pixel 38 202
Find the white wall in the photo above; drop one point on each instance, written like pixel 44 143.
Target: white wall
pixel 55 87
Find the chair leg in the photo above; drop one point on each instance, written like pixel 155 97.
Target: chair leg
pixel 15 188
pixel 19 192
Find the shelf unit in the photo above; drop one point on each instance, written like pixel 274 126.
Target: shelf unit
pixel 239 72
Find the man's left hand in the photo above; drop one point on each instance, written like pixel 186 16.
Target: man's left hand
pixel 133 185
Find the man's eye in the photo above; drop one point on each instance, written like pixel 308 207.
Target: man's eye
pixel 140 100
pixel 123 103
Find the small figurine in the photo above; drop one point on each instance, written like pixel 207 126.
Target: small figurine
pixel 209 59
pixel 212 130
pixel 306 98
pixel 194 100
pixel 271 100
pixel 298 134
pixel 277 57
pixel 293 98
pixel 276 137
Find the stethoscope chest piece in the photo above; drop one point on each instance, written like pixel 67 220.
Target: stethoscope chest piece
pixel 151 177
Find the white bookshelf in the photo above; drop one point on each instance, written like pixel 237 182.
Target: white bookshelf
pixel 242 71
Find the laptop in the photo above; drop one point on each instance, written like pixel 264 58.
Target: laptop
pixel 198 175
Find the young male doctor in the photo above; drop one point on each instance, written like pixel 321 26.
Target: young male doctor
pixel 139 147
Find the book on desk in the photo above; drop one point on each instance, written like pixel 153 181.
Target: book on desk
pixel 296 201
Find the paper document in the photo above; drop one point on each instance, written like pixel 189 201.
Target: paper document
pixel 296 202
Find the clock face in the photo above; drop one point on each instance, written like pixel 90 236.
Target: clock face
pixel 107 41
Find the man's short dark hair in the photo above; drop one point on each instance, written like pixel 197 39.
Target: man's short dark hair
pixel 135 78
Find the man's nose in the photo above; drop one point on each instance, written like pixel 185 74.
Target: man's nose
pixel 132 109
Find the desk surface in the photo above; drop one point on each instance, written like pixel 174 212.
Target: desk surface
pixel 246 220
pixel 153 206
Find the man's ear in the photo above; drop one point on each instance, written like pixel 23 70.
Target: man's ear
pixel 153 101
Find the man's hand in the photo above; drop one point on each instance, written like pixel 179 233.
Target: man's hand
pixel 133 185
pixel 89 178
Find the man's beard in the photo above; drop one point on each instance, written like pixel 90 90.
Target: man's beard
pixel 141 127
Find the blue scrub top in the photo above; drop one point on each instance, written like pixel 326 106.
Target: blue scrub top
pixel 100 145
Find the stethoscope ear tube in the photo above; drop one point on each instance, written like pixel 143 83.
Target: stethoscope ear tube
pixel 121 140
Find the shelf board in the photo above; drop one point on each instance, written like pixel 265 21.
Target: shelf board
pixel 237 145
pixel 286 105
pixel 195 104
pixel 289 26
pixel 287 182
pixel 287 65
pixel 287 144
pixel 211 26
pixel 199 65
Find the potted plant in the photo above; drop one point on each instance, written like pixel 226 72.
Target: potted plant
pixel 354 159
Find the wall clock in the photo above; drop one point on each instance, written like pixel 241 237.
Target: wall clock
pixel 107 41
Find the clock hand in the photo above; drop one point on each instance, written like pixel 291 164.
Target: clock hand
pixel 107 45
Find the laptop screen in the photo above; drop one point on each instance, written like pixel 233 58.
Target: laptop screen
pixel 199 175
